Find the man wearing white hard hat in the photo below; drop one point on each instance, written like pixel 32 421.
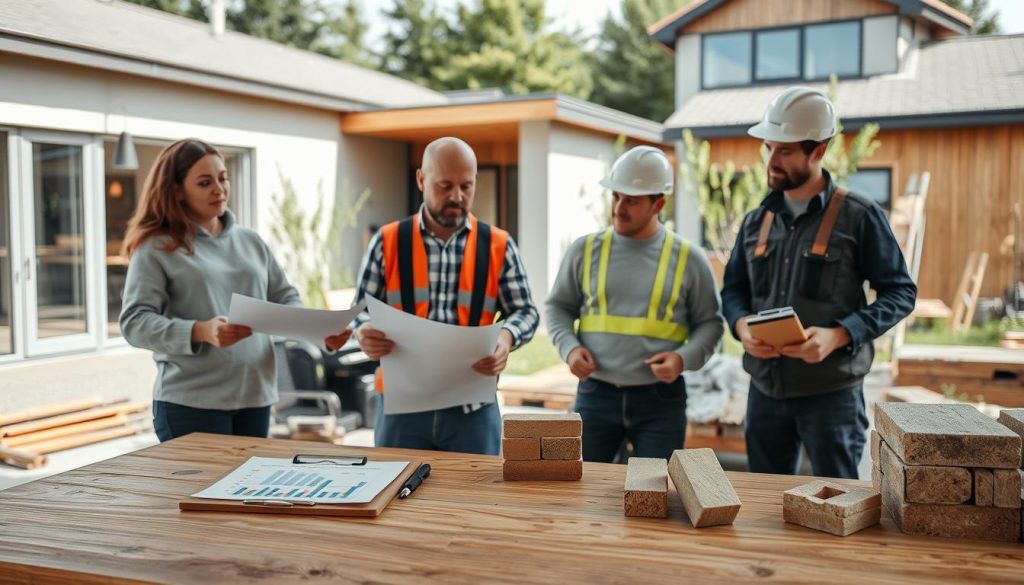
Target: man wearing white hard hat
pixel 647 307
pixel 811 245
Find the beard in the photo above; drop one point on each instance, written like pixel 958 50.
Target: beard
pixel 447 221
pixel 789 180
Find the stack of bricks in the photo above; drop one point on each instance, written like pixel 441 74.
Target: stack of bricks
pixel 542 447
pixel 1013 419
pixel 947 470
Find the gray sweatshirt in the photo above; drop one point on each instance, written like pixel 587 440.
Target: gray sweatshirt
pixel 167 292
pixel 632 267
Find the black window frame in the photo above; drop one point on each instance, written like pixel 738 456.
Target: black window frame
pixel 887 207
pixel 801 30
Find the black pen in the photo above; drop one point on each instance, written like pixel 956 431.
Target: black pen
pixel 423 472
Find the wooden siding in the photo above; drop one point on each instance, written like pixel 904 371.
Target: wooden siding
pixel 976 179
pixel 749 14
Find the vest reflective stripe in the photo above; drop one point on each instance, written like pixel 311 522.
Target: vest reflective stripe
pixel 407 278
pixel 599 321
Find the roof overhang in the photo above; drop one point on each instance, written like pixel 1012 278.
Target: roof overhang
pixel 497 120
pixel 667 29
pixel 930 121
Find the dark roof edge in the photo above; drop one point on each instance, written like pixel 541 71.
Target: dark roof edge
pixel 912 122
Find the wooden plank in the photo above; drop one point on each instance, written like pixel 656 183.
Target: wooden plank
pixel 116 520
pixel 520 449
pixel 522 426
pixel 646 488
pixel 50 410
pixel 543 470
pixel 1001 392
pixel 750 14
pixel 707 495
pixel 1013 419
pixel 82 439
pixel 73 429
pixel 75 417
pixel 21 458
pixel 561 448
pixel 830 507
pixel 926 484
pixel 972 303
pixel 955 435
pixel 724 444
pixel 960 296
pixel 984 487
pixel 1006 488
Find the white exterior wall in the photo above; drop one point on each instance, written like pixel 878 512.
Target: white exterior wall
pixel 305 143
pixel 687 68
pixel 559 195
pixel 880 50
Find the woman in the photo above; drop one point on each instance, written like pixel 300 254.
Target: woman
pixel 187 257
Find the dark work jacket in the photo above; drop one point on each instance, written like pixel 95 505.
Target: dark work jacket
pixel 824 292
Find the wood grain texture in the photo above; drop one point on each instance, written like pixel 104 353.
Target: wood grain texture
pixel 48 411
pixel 570 448
pixel 746 14
pixel 926 484
pixel 522 426
pixel 117 521
pixel 645 493
pixel 520 449
pixel 1013 419
pixel 984 487
pixel 543 470
pixel 955 435
pixel 71 418
pixel 707 495
pixel 21 458
pixel 1006 488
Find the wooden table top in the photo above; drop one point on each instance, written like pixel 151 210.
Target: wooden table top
pixel 118 521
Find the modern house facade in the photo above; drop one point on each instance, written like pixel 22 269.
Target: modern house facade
pixel 75 74
pixel 947 103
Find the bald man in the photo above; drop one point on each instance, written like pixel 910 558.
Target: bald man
pixel 420 265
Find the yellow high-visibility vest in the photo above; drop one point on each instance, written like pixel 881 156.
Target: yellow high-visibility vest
pixel 595 319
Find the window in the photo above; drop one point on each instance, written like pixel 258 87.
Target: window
pixel 727 59
pixel 832 48
pixel 778 54
pixel 875 184
pixel 6 290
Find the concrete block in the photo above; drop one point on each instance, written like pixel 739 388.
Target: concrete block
pixel 1013 419
pixel 954 435
pixel 561 448
pixel 542 470
pixel 831 507
pixel 707 494
pixel 926 484
pixel 646 489
pixel 520 449
pixel 523 426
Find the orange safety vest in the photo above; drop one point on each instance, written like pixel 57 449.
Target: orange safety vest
pixel 407 279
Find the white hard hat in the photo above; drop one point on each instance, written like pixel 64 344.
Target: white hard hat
pixel 795 115
pixel 641 170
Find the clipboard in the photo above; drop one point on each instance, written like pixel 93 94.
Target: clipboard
pixel 777 327
pixel 370 509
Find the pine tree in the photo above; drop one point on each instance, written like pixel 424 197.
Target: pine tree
pixel 985 20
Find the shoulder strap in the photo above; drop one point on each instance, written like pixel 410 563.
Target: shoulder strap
pixel 481 269
pixel 820 247
pixel 762 238
pixel 405 270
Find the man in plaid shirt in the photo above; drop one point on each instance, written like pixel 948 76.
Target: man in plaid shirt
pixel 447 179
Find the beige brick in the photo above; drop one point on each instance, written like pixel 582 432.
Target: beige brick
pixel 984 487
pixel 926 484
pixel 561 448
pixel 876 476
pixel 1006 489
pixel 831 507
pixel 952 521
pixel 520 449
pixel 954 435
pixel 516 426
pixel 876 442
pixel 707 495
pixel 541 470
pixel 646 489
pixel 1013 419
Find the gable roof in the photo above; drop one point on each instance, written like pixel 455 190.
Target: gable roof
pixel 956 82
pixel 125 37
pixel 666 30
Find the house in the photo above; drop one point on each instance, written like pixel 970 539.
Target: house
pixel 947 103
pixel 75 74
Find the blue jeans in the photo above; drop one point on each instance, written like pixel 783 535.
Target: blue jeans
pixel 448 429
pixel 652 417
pixel 831 427
pixel 171 421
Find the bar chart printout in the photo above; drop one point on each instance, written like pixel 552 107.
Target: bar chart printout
pixel 279 479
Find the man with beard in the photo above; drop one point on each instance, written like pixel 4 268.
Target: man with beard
pixel 811 245
pixel 647 308
pixel 445 265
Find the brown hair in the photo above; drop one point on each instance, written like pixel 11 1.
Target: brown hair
pixel 161 212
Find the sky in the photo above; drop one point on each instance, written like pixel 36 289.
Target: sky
pixel 588 14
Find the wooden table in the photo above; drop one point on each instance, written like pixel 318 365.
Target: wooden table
pixel 118 522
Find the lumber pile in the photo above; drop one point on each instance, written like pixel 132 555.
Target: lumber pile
pixel 542 447
pixel 947 470
pixel 27 437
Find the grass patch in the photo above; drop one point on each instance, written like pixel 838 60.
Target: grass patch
pixel 533 357
pixel 987 335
